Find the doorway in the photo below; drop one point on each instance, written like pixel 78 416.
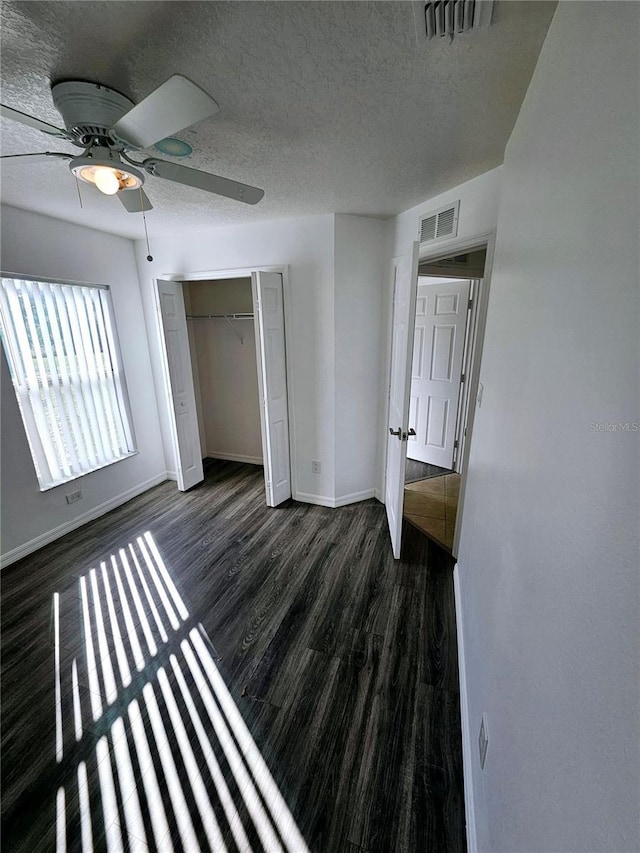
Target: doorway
pixel 226 373
pixel 222 344
pixel 444 351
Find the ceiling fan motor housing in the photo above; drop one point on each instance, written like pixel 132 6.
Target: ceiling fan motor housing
pixel 89 110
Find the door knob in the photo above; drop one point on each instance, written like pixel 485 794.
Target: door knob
pixel 395 431
pixel 412 431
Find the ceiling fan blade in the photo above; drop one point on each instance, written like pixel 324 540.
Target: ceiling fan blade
pixel 41 156
pixel 32 121
pixel 175 104
pixel 135 201
pixel 202 180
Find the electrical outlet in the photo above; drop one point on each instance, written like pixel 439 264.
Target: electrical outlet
pixel 483 740
pixel 74 496
pixel 316 467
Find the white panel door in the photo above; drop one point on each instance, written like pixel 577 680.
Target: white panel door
pixel 272 382
pixel 184 418
pixel 405 273
pixel 438 348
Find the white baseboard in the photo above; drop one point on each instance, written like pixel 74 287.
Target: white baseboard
pixel 318 500
pixel 235 457
pixel 321 500
pixel 103 508
pixel 467 740
pixel 171 475
pixel 354 497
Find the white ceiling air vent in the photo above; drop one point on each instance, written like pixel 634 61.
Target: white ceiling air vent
pixel 453 17
pixel 440 224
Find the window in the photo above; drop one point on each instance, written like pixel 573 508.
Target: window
pixel 62 350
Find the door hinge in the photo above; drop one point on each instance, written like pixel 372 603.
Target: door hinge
pixel 455 444
pixel 470 304
pixel 462 377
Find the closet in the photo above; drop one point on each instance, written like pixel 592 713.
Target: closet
pixel 222 346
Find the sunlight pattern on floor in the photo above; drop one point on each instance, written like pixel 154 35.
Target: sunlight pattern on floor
pixel 151 750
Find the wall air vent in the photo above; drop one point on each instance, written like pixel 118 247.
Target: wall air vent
pixel 454 17
pixel 440 224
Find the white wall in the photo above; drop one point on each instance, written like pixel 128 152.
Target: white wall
pixel 228 384
pixel 306 245
pixel 39 246
pixel 333 323
pixel 361 247
pixel 548 556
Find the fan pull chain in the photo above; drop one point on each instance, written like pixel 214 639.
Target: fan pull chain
pixel 79 194
pixel 146 233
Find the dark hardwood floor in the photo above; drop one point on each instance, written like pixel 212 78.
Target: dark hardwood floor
pixel 118 732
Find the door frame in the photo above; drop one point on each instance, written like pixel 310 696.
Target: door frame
pixel 245 272
pixel 483 240
pixel 464 397
pixel 457 247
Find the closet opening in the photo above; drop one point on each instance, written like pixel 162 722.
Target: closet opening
pixel 226 373
pixel 222 346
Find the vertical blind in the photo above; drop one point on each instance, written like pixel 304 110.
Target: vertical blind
pixel 62 350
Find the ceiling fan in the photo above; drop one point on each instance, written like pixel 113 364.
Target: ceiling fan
pixel 107 125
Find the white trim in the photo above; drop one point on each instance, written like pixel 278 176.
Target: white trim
pixel 334 503
pixel 318 500
pixel 234 457
pixel 213 275
pixel 103 508
pixel 458 246
pixel 469 803
pixel 355 497
pixel 172 475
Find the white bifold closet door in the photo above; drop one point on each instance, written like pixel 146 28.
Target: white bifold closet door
pixel 268 302
pixel 183 415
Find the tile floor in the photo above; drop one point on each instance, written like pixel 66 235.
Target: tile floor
pixel 431 506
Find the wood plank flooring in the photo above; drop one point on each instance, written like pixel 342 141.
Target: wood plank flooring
pixel 341 661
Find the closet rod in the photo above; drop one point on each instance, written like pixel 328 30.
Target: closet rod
pixel 214 316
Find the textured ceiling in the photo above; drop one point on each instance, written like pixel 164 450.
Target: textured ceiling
pixel 329 107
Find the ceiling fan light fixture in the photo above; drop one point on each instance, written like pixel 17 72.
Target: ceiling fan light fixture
pixel 107 172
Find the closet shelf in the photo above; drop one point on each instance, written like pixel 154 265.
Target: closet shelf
pixel 215 316
pixel 227 317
